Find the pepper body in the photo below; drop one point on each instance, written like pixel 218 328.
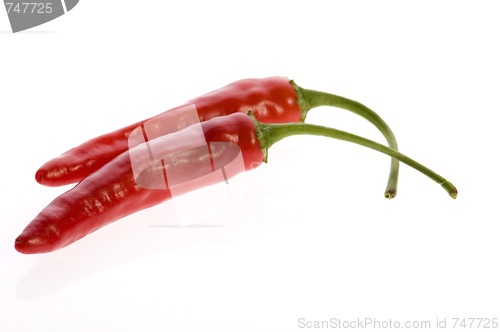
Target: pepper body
pixel 272 100
pixel 112 192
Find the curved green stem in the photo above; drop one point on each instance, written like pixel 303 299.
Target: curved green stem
pixel 309 99
pixel 269 134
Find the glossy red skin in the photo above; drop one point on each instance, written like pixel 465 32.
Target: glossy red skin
pixel 271 100
pixel 111 192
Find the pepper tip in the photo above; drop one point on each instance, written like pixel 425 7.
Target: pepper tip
pixel 31 245
pixel 39 177
pixel 20 244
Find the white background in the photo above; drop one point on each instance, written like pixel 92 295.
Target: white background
pixel 308 235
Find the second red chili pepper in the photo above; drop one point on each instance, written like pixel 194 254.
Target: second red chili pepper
pixel 272 100
pixel 114 191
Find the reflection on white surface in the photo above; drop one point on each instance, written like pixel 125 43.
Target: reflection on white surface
pixel 170 226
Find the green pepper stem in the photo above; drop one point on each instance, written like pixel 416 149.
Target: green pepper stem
pixel 269 134
pixel 309 99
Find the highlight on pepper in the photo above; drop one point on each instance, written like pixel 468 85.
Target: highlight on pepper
pixel 161 141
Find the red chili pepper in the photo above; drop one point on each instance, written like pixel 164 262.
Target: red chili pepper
pixel 114 191
pixel 272 100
